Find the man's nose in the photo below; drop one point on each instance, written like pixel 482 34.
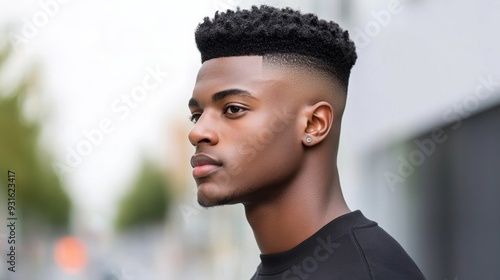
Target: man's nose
pixel 204 131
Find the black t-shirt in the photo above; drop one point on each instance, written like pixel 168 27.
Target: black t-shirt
pixel 349 247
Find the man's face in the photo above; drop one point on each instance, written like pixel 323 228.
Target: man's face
pixel 246 134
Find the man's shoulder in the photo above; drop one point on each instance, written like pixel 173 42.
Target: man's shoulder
pixel 384 257
pixel 366 249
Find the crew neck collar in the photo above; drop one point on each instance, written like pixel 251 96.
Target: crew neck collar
pixel 279 262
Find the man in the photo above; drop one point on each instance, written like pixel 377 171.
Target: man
pixel 267 108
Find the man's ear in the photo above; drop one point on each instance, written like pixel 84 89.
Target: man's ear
pixel 319 122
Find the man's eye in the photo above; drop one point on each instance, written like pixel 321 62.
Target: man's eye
pixel 234 109
pixel 194 117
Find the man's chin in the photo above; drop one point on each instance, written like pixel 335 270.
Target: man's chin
pixel 208 200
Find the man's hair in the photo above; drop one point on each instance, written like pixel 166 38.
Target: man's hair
pixel 285 34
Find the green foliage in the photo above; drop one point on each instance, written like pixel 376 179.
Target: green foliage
pixel 147 201
pixel 39 192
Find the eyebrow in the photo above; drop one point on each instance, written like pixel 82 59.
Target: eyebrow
pixel 220 95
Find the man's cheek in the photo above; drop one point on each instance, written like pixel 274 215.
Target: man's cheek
pixel 246 150
pixel 235 168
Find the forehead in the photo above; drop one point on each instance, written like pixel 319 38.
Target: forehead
pixel 263 79
pixel 227 71
pixel 247 73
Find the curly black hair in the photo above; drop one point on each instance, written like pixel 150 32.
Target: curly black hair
pixel 283 33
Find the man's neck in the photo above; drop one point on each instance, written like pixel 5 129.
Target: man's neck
pixel 300 211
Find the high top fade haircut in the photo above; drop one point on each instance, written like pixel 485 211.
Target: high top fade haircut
pixel 284 36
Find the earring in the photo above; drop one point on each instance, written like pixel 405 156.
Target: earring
pixel 309 139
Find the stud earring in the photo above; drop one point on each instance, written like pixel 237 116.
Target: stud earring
pixel 309 139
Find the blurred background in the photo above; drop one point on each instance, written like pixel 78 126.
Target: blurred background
pixel 94 123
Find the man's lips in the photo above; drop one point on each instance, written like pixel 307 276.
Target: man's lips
pixel 203 165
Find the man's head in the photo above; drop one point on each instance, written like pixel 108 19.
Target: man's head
pixel 268 101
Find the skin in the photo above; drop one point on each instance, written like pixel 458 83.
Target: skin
pixel 257 135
